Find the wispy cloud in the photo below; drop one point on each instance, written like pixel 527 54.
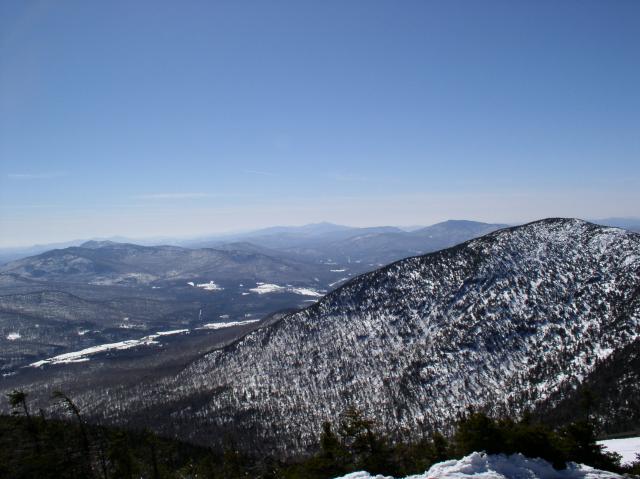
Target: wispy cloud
pixel 36 176
pixel 174 196
pixel 258 172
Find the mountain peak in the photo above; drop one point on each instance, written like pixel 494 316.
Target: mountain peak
pixel 96 244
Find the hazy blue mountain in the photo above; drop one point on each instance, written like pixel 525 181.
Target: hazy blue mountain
pixel 361 248
pixel 632 224
pixel 304 231
pixel 108 262
pixel 367 248
pixel 311 229
pixel 283 238
pixel 315 239
pixel 12 254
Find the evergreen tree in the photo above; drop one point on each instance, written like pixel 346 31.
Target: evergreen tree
pixel 478 432
pixel 18 399
pixel 75 411
pixel 441 449
pixel 578 442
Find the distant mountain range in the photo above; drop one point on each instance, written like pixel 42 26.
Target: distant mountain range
pixel 103 291
pixel 502 322
pixel 290 237
pixel 110 263
pixel 368 247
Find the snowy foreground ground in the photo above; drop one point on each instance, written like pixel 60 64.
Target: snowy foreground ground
pixel 483 466
pixel 627 448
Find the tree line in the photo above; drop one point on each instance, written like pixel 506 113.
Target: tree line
pixel 34 445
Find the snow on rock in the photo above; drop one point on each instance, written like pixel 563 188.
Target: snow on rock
pixel 483 466
pixel 628 448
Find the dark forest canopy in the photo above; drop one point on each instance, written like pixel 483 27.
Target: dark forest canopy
pixel 33 445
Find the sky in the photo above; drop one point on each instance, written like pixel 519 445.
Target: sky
pixel 187 118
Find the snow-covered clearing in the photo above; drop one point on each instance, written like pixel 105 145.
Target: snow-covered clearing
pixel 266 288
pixel 210 286
pixel 83 354
pixel 152 339
pixel 628 448
pixel 228 324
pixel 483 466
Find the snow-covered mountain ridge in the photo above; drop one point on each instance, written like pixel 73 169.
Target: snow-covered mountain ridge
pixel 498 321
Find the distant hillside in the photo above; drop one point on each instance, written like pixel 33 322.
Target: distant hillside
pixel 107 262
pixel 380 248
pixel 104 292
pixel 367 248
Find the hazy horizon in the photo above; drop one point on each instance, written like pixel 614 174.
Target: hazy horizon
pixel 158 239
pixel 187 119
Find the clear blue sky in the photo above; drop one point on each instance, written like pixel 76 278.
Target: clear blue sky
pixel 182 118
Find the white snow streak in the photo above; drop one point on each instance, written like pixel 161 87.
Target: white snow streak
pixel 82 355
pixel 267 288
pixel 210 286
pixel 228 324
